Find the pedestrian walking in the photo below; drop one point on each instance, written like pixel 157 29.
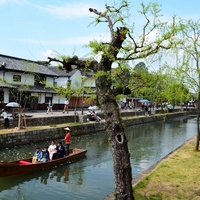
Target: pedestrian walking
pixel 66 106
pixel 49 108
pixel 4 114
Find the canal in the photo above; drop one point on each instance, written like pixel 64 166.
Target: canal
pixel 92 176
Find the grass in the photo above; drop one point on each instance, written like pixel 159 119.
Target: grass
pixel 31 128
pixel 174 178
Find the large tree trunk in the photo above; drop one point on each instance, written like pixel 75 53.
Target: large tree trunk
pixel 114 124
pixel 117 137
pixel 198 115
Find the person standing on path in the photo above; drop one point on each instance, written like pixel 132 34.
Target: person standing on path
pixel 4 114
pixel 49 108
pixel 67 139
pixel 66 106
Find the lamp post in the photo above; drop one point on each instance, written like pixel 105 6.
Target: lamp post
pixel 83 102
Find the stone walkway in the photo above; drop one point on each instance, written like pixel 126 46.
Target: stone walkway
pixel 43 113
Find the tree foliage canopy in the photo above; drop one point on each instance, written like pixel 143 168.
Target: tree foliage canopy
pixel 123 45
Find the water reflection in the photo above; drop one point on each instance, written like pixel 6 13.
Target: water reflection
pixel 92 177
pixel 58 174
pixel 154 141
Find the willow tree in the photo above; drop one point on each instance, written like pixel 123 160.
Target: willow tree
pixel 188 62
pixel 143 83
pixel 124 45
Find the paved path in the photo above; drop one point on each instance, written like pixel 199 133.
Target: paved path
pixel 43 113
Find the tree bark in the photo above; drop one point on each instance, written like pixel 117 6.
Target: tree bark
pixel 113 121
pixel 117 138
pixel 198 116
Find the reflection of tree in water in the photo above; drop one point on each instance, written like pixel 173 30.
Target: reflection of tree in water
pixel 153 138
pixel 19 194
pixel 77 175
pixel 66 175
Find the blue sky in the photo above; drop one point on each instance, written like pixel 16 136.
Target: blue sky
pixel 35 29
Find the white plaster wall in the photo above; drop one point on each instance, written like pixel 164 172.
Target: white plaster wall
pixel 1 74
pixel 41 98
pixel 62 81
pixel 6 95
pixel 27 79
pixel 62 100
pixel 76 80
pixel 56 99
pixel 50 80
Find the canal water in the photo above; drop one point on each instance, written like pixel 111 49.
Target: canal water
pixel 92 176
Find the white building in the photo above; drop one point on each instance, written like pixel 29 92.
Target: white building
pixel 34 79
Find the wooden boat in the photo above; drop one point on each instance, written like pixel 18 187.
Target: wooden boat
pixel 25 166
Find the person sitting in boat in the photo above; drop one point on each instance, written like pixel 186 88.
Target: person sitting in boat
pixel 52 149
pixel 38 154
pixel 95 116
pixel 45 155
pixel 60 151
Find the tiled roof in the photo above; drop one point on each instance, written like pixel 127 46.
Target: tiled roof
pixel 40 89
pixel 62 73
pixel 22 65
pixel 58 71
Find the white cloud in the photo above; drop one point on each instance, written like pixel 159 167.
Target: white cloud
pixel 48 53
pixel 12 1
pixel 78 40
pixel 3 1
pixel 82 40
pixel 69 11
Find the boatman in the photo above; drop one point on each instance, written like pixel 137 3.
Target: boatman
pixel 67 139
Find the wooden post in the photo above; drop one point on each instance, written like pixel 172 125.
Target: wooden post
pixel 25 125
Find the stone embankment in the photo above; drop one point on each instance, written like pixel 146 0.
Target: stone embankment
pixel 52 127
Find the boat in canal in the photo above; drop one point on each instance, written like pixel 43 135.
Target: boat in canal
pixel 24 166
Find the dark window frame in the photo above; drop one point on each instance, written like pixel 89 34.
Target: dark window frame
pixel 17 78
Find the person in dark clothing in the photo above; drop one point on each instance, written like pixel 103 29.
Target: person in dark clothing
pixel 60 151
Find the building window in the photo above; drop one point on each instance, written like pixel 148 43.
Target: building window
pixel 17 78
pixel 39 80
pixel 1 96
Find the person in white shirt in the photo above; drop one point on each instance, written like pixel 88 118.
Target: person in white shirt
pixel 49 108
pixel 66 106
pixel 5 117
pixel 52 149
